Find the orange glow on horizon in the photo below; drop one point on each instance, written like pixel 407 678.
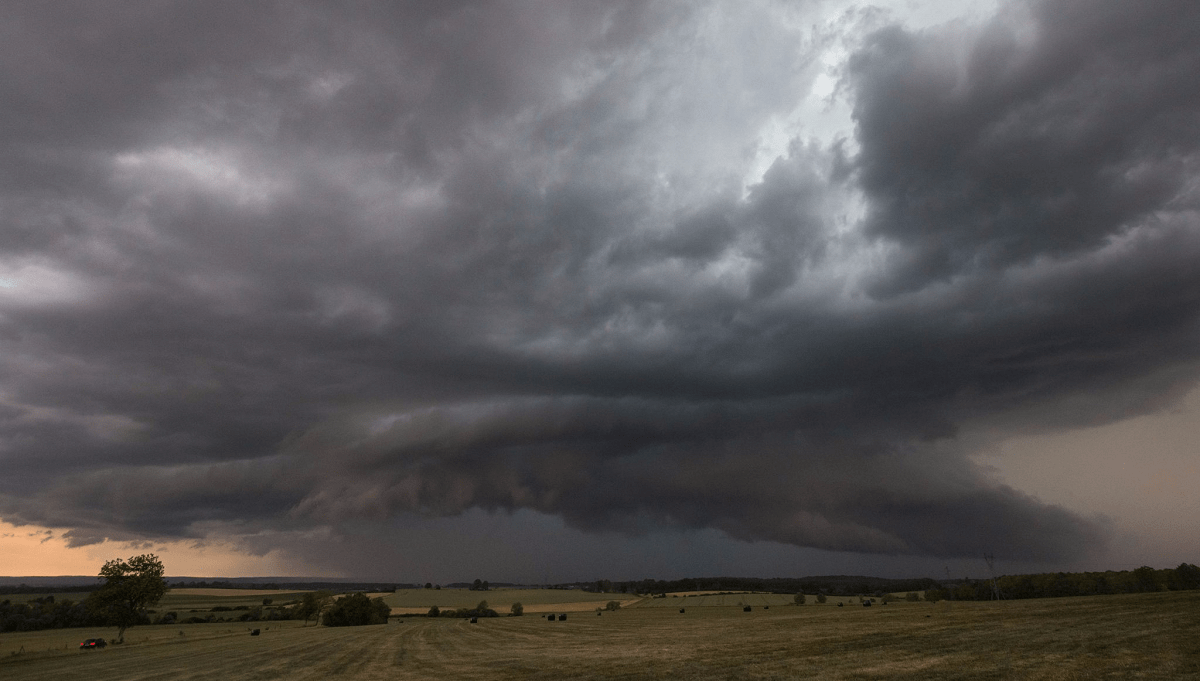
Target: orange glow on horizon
pixel 33 551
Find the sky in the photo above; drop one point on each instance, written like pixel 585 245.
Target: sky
pixel 552 291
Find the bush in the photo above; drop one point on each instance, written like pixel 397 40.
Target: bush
pixel 799 599
pixel 481 610
pixel 820 598
pixel 433 612
pixel 912 597
pixel 516 610
pixel 612 606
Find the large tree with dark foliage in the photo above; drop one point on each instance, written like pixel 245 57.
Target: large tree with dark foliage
pixel 311 605
pixel 129 588
pixel 356 609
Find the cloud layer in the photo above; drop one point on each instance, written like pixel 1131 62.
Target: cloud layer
pixel 271 268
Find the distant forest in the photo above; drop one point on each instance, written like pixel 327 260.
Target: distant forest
pixel 1058 584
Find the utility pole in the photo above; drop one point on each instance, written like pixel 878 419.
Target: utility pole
pixel 991 563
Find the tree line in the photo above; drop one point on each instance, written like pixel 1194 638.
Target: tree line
pixel 834 585
pixel 131 587
pixel 1145 579
pixel 46 613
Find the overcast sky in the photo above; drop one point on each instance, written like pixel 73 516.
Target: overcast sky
pixel 563 290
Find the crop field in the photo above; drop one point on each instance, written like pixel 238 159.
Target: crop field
pixel 185 601
pixel 413 601
pixel 1154 636
pixel 707 600
pixel 74 596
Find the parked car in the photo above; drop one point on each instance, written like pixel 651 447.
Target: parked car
pixel 93 643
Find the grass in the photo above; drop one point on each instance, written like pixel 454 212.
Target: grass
pixel 1152 636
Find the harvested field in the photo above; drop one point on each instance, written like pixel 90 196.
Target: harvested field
pixel 232 592
pixel 1153 636
pixel 186 602
pixel 500 600
pixel 756 600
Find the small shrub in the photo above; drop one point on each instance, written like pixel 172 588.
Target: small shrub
pixel 612 606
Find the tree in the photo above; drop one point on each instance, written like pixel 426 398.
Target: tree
pixel 311 605
pixel 433 612
pixel 1186 576
pixel 517 610
pixel 129 588
pixel 820 598
pixel 799 599
pixel 612 606
pixel 1145 578
pixel 477 586
pixel 356 609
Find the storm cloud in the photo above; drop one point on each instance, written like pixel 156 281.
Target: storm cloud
pixel 269 268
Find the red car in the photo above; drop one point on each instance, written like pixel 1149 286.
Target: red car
pixel 93 643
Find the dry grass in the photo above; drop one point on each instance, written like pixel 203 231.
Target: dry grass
pixel 1155 636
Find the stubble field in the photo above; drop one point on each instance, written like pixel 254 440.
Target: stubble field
pixel 1153 636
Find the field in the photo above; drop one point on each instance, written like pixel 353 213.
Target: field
pixel 418 601
pixel 1155 636
pixel 188 601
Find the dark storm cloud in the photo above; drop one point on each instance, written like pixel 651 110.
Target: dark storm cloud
pixel 1065 125
pixel 276 267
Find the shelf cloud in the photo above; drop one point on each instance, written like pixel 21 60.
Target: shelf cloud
pixel 268 269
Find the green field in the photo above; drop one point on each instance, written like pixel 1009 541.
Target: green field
pixel 185 603
pixel 1154 636
pixel 73 596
